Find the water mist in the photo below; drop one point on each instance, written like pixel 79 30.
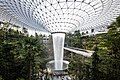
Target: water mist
pixel 58 45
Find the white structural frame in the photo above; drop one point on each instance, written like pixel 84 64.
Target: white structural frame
pixel 60 15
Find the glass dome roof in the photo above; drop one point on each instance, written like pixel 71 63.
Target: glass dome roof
pixel 60 15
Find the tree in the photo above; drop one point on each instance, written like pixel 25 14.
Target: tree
pixel 19 54
pixel 76 66
pixel 74 40
pixel 95 69
pixel 113 45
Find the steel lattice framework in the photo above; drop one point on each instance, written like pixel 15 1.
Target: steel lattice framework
pixel 60 15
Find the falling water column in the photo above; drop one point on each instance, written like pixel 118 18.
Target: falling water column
pixel 58 44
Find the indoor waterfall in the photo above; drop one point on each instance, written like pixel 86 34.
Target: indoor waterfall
pixel 58 45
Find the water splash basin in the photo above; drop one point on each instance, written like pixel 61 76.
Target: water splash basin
pixel 51 65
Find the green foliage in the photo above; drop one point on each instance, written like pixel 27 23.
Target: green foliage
pixel 105 62
pixel 113 45
pixel 76 66
pixel 20 55
pixel 74 40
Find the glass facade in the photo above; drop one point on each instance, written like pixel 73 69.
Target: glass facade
pixel 60 15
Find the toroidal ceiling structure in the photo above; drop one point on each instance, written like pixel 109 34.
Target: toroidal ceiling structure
pixel 59 17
